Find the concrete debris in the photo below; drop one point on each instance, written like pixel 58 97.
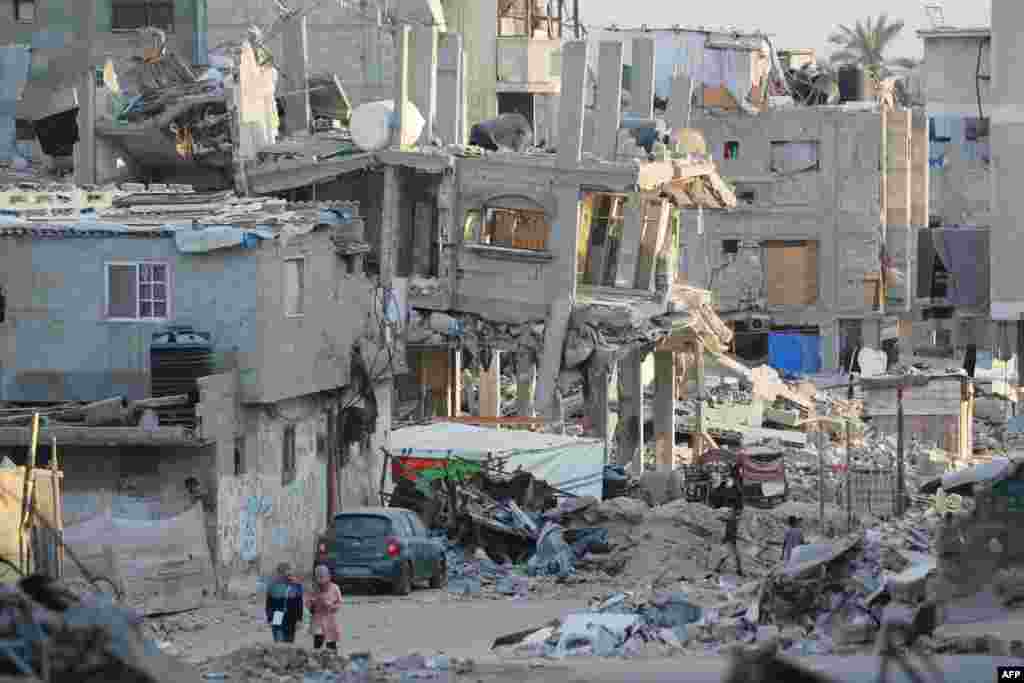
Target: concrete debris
pixel 67 637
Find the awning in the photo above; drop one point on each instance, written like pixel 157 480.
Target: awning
pixel 567 463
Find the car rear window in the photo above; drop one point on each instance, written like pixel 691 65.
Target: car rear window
pixel 764 458
pixel 363 526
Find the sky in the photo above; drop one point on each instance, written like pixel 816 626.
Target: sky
pixel 791 23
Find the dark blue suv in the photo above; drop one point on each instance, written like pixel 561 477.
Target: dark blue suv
pixel 382 545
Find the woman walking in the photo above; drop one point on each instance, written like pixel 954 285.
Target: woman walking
pixel 284 605
pixel 324 603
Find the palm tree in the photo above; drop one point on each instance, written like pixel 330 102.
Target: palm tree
pixel 865 45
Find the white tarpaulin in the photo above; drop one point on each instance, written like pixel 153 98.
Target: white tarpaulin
pixel 565 462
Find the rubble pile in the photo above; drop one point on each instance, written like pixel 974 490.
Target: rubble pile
pixel 679 539
pixel 287 664
pixel 825 600
pixel 54 635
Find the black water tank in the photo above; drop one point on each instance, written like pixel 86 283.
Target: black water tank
pixel 179 356
pixel 853 83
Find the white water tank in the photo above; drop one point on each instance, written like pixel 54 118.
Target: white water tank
pixel 372 125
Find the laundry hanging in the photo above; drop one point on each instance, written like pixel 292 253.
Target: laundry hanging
pixel 965 255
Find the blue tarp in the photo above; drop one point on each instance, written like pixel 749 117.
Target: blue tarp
pixel 795 354
pixel 211 237
pixel 15 61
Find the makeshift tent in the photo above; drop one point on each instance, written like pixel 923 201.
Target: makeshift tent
pixel 567 463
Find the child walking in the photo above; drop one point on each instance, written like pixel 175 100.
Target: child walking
pixel 324 603
pixel 284 605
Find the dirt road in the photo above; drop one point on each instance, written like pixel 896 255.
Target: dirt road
pixel 426 621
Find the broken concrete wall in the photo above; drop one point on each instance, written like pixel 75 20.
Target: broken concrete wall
pixel 310 351
pixel 341 40
pixel 961 185
pixel 827 189
pixel 504 284
pixel 60 344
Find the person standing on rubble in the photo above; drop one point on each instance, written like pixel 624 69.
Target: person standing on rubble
pixel 794 536
pixel 732 525
pixel 324 603
pixel 284 604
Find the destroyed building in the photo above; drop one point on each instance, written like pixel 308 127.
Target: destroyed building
pixel 495 256
pixel 816 227
pixel 186 346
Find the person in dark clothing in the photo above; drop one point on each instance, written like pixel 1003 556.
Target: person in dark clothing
pixel 794 536
pixel 732 524
pixel 284 605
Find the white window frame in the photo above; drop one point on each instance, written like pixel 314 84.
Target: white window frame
pixel 138 286
pixel 302 291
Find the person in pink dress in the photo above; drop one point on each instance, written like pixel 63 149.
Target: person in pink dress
pixel 324 603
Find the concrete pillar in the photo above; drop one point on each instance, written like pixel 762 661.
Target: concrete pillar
pixel 389 221
pixel 402 92
pixel 424 96
pixel 526 379
pixel 597 395
pixel 664 407
pixel 630 437
pixel 571 106
pixel 295 57
pixel 561 281
pixel 85 151
pixel 609 99
pixel 551 359
pixel 446 264
pixel 698 441
pixel 423 233
pixel 871 332
pixel 490 387
pixel 448 124
pixel 679 101
pixel 642 78
pixel 454 382
pixel 1007 168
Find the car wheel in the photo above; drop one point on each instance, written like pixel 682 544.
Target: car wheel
pixel 440 577
pixel 403 584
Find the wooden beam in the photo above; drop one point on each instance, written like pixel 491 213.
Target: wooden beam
pixel 100 436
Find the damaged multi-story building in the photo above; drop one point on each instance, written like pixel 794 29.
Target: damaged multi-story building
pixel 557 264
pixel 818 255
pixel 188 346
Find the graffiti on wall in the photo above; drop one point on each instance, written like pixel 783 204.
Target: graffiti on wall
pixel 255 507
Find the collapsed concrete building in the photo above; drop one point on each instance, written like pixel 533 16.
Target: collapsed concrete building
pixel 496 253
pixel 829 198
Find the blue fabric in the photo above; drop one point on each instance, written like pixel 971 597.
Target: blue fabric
pixel 15 61
pixel 795 354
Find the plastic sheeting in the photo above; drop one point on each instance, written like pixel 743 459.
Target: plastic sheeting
pixel 15 61
pixel 795 354
pixel 965 255
pixel 213 237
pixel 567 463
pixel 554 557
